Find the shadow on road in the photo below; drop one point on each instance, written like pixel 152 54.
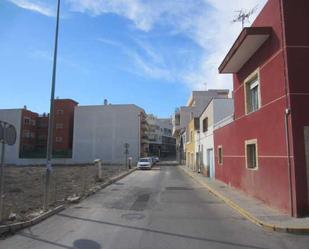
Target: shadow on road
pixel 163 233
pixel 77 244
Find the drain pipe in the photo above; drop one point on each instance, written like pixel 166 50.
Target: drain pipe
pixel 288 111
pixel 287 137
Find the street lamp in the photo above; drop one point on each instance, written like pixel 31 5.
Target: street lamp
pixel 49 148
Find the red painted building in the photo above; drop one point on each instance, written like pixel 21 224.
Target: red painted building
pixel 265 150
pixel 63 124
pixel 34 130
pixel 28 132
pixel 42 132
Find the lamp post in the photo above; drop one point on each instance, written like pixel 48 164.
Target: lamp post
pixel 49 148
pixel 139 135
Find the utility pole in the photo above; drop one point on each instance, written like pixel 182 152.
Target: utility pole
pixel 126 152
pixel 2 180
pixel 139 136
pixel 49 149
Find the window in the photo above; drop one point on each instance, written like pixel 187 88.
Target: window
pixel 42 137
pixel 60 112
pixel 26 120
pixel 59 126
pixel 220 155
pixel 191 136
pixel 252 93
pixel 205 124
pixel 59 139
pixel 26 134
pixel 251 154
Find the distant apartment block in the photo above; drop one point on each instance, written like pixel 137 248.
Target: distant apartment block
pixel 160 139
pixel 183 115
pixel 32 131
pixel 64 124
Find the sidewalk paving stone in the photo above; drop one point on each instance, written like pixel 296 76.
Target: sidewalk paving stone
pixel 253 209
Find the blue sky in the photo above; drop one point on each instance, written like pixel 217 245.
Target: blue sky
pixel 150 53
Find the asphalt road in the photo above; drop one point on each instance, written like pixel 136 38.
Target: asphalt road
pixel 162 208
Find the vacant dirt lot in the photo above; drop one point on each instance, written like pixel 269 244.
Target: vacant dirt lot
pixel 24 186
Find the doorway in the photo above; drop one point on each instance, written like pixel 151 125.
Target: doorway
pixel 210 163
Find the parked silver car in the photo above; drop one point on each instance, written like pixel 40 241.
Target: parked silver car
pixel 145 163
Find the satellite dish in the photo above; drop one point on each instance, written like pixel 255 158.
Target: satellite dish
pixel 10 135
pixel 1 132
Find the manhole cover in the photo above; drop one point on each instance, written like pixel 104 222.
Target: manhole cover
pixel 178 188
pixel 133 216
pixel 118 183
pixel 115 189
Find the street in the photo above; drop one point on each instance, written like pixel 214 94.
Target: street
pixel 160 208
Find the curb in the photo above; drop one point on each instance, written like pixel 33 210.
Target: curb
pixel 249 216
pixel 12 228
pixel 107 183
pixel 116 178
pixel 20 225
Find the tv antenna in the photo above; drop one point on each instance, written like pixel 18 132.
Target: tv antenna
pixel 243 16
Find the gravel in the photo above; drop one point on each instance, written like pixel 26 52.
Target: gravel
pixel 24 187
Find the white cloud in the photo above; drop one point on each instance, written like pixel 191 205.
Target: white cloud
pixel 36 6
pixel 215 33
pixel 208 23
pixel 150 65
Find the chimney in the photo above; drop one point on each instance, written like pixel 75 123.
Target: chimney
pixel 25 107
pixel 105 102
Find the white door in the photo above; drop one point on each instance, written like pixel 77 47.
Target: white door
pixel 210 162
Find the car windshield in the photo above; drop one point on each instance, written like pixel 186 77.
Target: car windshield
pixel 144 160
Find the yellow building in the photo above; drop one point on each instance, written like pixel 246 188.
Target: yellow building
pixel 191 132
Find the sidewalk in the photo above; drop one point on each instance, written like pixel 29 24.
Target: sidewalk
pixel 252 209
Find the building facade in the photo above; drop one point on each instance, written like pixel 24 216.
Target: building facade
pixel 215 113
pixel 182 116
pixel 160 138
pixel 192 131
pixel 102 132
pixel 264 151
pixel 32 132
pixel 168 148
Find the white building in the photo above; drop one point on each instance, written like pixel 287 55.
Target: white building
pixel 218 113
pixel 195 105
pixel 102 132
